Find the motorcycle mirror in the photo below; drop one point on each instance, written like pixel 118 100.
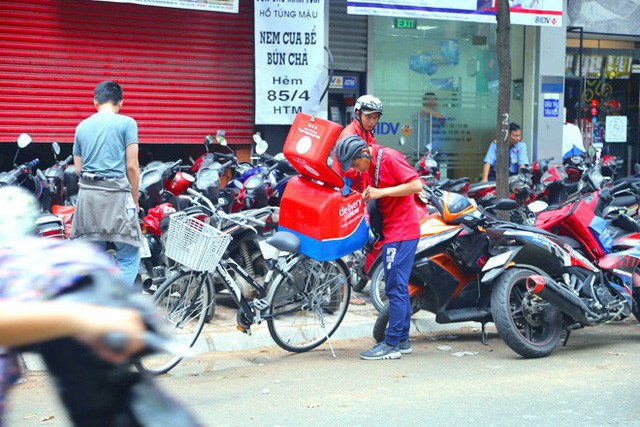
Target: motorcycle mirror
pixel 261 144
pixel 262 147
pixel 505 204
pixel 23 140
pixel 56 149
pixel 208 140
pixel 220 139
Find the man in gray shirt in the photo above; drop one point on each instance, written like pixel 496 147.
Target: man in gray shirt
pixel 105 155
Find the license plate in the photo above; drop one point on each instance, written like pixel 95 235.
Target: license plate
pixel 144 248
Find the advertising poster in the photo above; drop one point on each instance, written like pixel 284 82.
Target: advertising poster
pixel 523 12
pixel 289 55
pixel 229 6
pixel 605 16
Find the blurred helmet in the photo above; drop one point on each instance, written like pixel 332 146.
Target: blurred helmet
pixel 368 104
pixel 19 213
pixel 349 148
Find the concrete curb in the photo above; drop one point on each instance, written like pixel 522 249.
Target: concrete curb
pixel 222 335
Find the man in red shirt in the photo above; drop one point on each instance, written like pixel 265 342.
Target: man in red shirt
pixel 368 110
pixel 396 185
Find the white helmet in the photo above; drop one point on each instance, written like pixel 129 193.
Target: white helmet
pixel 368 104
pixel 19 213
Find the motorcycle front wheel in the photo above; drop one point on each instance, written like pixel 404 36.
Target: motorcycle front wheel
pixel 382 321
pixel 376 290
pixel 528 332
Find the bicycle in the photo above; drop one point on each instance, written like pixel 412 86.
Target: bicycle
pixel 302 300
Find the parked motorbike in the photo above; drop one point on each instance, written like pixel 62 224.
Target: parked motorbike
pixel 447 276
pixel 158 184
pixel 37 183
pixel 54 191
pixel 24 175
pixel 542 287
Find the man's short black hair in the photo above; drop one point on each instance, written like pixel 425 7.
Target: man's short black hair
pixel 108 91
pixel 513 126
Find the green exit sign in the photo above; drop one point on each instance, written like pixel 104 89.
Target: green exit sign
pixel 406 23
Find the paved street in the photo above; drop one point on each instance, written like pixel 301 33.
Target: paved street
pixel 450 379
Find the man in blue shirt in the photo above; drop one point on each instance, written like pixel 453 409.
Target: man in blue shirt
pixel 518 157
pixel 105 155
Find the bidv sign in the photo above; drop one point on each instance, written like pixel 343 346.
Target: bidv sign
pixel 386 128
pixel 546 20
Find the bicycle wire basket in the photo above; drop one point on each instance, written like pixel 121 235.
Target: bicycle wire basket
pixel 195 244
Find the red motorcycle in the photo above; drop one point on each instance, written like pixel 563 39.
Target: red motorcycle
pixel 580 221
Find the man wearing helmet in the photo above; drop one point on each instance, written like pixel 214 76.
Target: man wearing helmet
pixel 397 182
pixel 368 110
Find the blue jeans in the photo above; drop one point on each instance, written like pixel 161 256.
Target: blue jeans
pixel 398 260
pixel 127 260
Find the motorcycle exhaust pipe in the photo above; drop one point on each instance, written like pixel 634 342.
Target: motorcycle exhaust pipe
pixel 562 298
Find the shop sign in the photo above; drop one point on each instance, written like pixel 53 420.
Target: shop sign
pixel 289 60
pixel 405 24
pixel 343 82
pixel 615 129
pixel 551 106
pixel 230 6
pixel 523 12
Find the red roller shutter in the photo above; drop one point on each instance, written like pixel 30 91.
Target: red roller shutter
pixel 185 73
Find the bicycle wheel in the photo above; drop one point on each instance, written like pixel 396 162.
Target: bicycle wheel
pixel 308 303
pixel 182 302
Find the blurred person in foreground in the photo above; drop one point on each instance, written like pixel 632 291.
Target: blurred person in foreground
pixel 35 270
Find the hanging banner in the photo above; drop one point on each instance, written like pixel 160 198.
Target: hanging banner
pixel 230 6
pixel 605 16
pixel 523 12
pixel 289 52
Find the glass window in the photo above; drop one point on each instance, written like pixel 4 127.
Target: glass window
pixel 603 86
pixel 439 86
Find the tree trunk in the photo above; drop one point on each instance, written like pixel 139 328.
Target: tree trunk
pixel 504 98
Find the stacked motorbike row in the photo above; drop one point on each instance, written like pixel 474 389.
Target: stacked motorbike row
pixel 568 257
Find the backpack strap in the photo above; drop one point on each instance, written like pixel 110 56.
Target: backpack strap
pixel 377 176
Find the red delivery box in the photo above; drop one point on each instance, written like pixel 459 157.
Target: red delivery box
pixel 308 149
pixel 328 224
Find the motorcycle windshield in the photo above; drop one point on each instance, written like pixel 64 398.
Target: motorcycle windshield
pixel 457 203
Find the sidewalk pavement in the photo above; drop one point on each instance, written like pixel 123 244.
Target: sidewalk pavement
pixel 221 333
